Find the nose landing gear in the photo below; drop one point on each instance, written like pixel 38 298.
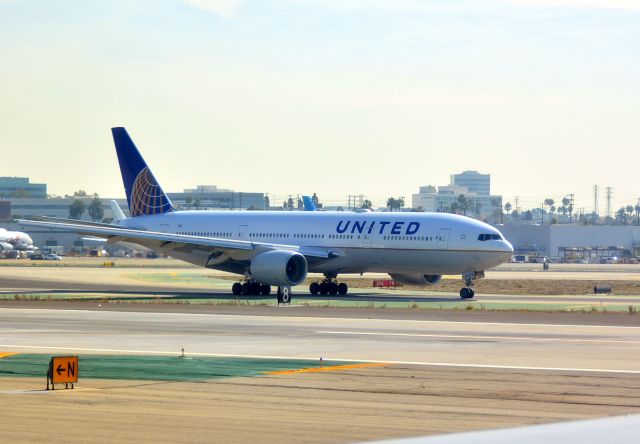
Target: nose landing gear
pixel 467 292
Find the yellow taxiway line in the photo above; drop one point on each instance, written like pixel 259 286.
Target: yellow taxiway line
pixel 4 355
pixel 327 369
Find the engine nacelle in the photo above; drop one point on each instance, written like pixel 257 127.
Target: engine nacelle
pixel 417 279
pixel 5 246
pixel 279 267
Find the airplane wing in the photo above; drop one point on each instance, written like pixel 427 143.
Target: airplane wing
pixel 167 242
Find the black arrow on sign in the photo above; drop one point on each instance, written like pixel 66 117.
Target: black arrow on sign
pixel 60 369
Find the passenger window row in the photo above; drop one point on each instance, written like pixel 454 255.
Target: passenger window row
pixel 341 236
pixel 308 236
pixel 204 233
pixel 411 238
pixel 270 235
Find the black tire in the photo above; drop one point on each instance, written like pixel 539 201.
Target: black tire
pixel 314 288
pixel 467 293
pixel 265 290
pixel 254 289
pixel 342 289
pixel 333 289
pixel 236 289
pixel 324 288
pixel 244 289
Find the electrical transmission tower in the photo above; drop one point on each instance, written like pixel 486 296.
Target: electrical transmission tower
pixel 608 193
pixel 596 196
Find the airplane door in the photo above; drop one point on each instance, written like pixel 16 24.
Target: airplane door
pixel 443 238
pixel 242 232
pixel 366 241
pixel 164 228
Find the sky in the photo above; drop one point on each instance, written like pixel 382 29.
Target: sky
pixel 336 97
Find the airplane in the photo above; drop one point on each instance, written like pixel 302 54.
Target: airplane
pixel 15 240
pixel 279 248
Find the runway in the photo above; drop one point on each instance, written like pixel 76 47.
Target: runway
pixel 587 347
pixel 422 372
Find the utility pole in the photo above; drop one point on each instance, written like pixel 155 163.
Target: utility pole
pixel 596 195
pixel 517 200
pixel 608 192
pixel 571 196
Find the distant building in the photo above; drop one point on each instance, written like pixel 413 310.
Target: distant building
pixel 443 198
pixel 19 187
pixel 212 197
pixel 473 181
pixel 474 186
pixel 573 242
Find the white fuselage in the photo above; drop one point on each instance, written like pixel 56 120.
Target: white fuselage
pixel 427 243
pixel 15 240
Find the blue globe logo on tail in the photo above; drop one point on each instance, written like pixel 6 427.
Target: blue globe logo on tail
pixel 144 194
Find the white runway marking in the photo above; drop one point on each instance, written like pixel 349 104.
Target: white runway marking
pixel 505 338
pixel 328 358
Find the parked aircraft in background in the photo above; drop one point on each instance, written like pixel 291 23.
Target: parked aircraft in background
pixel 280 247
pixel 15 240
pixel 308 204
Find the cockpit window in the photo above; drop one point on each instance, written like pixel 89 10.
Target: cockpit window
pixel 489 236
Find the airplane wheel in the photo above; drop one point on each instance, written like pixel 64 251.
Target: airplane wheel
pixel 324 288
pixel 255 288
pixel 342 289
pixel 467 293
pixel 333 289
pixel 244 289
pixel 314 288
pixel 265 290
pixel 236 289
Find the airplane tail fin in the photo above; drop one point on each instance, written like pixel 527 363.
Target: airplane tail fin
pixel 308 204
pixel 144 194
pixel 118 215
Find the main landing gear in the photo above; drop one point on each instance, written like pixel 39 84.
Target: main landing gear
pixel 253 288
pixel 250 288
pixel 467 292
pixel 329 286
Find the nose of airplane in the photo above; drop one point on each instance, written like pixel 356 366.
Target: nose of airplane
pixel 506 246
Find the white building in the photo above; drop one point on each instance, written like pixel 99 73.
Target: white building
pixel 473 181
pixel 443 198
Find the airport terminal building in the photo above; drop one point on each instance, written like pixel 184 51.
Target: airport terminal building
pixel 575 243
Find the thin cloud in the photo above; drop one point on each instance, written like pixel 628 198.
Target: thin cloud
pixel 223 8
pixel 609 4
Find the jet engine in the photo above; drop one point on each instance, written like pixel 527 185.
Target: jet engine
pixel 4 246
pixel 279 267
pixel 417 279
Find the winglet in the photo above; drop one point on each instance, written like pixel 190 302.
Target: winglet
pixel 144 194
pixel 118 215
